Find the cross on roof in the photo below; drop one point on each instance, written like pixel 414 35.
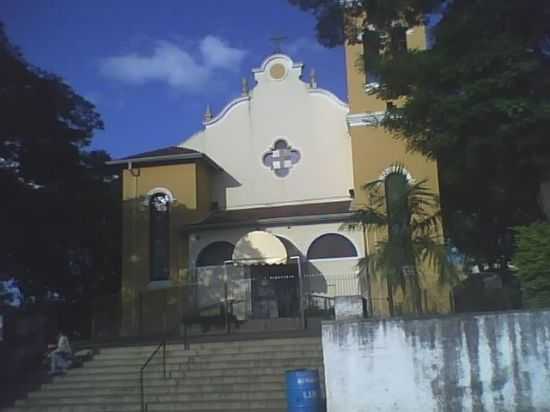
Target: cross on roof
pixel 277 42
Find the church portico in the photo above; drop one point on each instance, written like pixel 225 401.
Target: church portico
pixel 276 275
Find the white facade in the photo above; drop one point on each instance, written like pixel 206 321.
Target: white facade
pixel 300 236
pixel 283 143
pixel 281 106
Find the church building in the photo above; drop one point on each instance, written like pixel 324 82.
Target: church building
pixel 246 219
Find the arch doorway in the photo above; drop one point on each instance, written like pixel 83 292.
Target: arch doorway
pixel 271 267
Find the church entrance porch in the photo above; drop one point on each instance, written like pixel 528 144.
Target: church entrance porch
pixel 235 298
pixel 274 297
pixel 240 298
pixel 275 291
pixel 264 283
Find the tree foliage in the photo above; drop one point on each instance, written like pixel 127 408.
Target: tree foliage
pixel 59 218
pixel 477 101
pixel 343 20
pixel 5 295
pixel 532 259
pixel 411 217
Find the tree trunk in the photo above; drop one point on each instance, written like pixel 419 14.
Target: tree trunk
pixel 390 297
pixel 416 293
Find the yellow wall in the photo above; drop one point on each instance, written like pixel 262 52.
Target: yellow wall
pixel 358 100
pixel 190 185
pixel 373 151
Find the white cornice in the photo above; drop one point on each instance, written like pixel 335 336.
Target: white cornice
pixel 226 110
pixel 269 59
pixel 372 119
pixel 331 96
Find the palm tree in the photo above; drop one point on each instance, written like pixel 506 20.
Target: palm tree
pixel 409 217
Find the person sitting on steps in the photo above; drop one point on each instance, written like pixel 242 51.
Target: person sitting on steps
pixel 61 356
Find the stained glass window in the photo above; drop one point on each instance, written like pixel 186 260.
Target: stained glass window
pixel 159 206
pixel 281 158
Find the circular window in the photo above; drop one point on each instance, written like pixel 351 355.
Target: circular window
pixel 277 71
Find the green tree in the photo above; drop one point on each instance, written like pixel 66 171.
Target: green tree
pixel 477 101
pixel 60 214
pixel 339 21
pixel 5 295
pixel 532 259
pixel 410 216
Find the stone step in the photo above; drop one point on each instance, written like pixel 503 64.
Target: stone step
pixel 251 364
pixel 265 371
pixel 101 408
pixel 180 371
pixel 142 357
pixel 171 357
pixel 173 361
pixel 160 382
pixel 224 405
pixel 247 376
pixel 182 388
pixel 230 346
pixel 172 364
pixel 156 408
pixel 161 397
pixel 218 392
pixel 107 378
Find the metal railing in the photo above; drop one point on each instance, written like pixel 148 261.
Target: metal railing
pixel 313 299
pixel 142 370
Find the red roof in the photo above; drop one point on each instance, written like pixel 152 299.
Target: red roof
pixel 165 151
pixel 269 215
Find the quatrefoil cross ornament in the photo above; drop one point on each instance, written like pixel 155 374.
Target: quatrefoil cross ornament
pixel 281 158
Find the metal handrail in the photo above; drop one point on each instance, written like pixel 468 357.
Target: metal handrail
pixel 162 345
pixel 328 301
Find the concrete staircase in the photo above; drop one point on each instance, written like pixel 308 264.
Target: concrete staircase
pixel 220 376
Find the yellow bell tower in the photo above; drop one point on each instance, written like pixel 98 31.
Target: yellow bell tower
pixel 374 152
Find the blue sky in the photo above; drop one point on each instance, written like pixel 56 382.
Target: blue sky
pixel 151 67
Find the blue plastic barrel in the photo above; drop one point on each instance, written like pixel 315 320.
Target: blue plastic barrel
pixel 303 392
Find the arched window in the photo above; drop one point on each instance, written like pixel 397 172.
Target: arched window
pixel 159 212
pixel 331 246
pixel 215 254
pixel 372 48
pixel 397 204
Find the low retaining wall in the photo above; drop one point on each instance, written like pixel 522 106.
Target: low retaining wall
pixel 477 362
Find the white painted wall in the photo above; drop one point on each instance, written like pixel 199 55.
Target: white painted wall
pixel 312 121
pixel 491 362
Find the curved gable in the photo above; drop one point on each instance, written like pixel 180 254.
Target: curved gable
pixel 284 141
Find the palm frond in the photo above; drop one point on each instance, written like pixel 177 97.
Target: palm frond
pixel 416 240
pixel 365 217
pixel 425 225
pixel 429 250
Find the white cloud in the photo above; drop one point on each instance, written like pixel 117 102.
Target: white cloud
pixel 174 65
pixel 216 53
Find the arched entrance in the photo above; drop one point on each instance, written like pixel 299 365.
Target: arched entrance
pixel 274 279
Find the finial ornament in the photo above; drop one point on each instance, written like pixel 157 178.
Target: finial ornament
pixel 244 87
pixel 312 79
pixel 208 114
